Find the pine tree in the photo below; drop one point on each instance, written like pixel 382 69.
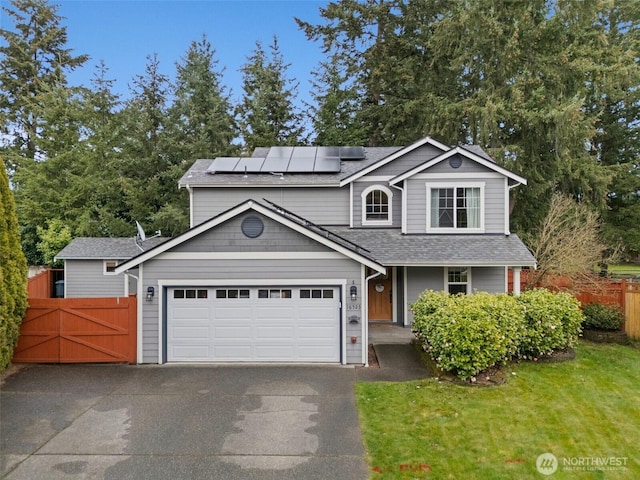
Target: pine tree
pixel 336 119
pixel 13 273
pixel 201 116
pixel 33 61
pixel 267 115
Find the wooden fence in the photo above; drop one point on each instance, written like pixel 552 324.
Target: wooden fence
pixel 632 309
pixel 623 293
pixel 78 330
pixel 43 285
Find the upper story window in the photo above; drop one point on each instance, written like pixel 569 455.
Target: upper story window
pixel 377 205
pixel 455 208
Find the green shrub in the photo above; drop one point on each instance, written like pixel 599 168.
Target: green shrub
pixel 552 322
pixel 426 305
pixel 602 317
pixel 13 273
pixel 468 334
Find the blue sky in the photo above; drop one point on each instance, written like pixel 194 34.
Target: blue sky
pixel 124 32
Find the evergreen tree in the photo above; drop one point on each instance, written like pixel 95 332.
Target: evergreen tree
pixel 336 117
pixel 13 273
pixel 202 121
pixel 33 61
pixel 147 168
pixel 267 115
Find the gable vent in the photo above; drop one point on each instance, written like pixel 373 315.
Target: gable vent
pixel 252 227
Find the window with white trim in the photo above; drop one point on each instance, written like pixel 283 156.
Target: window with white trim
pixel 455 208
pixel 377 205
pixel 110 267
pixel 457 280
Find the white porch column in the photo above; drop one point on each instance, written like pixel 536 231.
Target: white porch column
pixel 516 280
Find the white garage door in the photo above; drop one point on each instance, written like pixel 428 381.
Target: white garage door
pixel 261 324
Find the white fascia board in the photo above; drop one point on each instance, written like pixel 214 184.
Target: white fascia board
pixel 466 153
pixel 265 185
pixel 340 282
pixel 392 157
pixel 466 263
pixel 249 256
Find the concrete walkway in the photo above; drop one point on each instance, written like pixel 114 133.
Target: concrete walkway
pixel 397 357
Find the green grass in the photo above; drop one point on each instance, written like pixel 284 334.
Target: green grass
pixel 621 269
pixel 577 410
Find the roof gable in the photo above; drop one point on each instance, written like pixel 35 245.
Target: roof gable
pixel 392 157
pixel 277 214
pixel 482 160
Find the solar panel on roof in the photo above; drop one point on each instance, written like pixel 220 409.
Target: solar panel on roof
pixel 352 153
pixel 327 165
pixel 328 151
pixel 223 164
pixel 301 165
pixel 251 164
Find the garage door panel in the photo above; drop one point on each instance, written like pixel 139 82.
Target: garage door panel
pixel 233 312
pixel 275 352
pixel 317 333
pixel 193 353
pixel 287 329
pixel 232 331
pixel 232 353
pixel 275 332
pixel 193 332
pixel 184 312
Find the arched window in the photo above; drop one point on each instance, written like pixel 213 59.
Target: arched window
pixel 376 205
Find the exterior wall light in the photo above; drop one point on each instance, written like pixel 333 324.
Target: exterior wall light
pixel 150 293
pixel 354 292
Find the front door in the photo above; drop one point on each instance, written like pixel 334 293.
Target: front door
pixel 380 300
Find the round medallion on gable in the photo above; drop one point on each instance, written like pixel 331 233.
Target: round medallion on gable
pixel 455 162
pixel 252 227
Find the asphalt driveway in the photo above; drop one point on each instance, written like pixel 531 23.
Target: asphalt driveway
pixel 180 422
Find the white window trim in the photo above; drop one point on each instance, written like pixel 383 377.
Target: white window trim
pixel 446 278
pixel 104 266
pixel 455 185
pixel 363 197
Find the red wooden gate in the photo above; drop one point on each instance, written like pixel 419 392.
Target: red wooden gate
pixel 78 330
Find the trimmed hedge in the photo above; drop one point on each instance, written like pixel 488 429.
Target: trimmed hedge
pixel 466 334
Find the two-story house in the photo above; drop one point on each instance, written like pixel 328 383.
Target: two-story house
pixel 294 250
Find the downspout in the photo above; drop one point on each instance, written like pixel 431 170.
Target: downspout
pixel 403 209
pixel 366 316
pixel 507 216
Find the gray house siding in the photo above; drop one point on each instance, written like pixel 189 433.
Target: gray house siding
pixel 467 166
pixel 420 279
pixel 232 270
pixel 488 279
pixel 86 278
pixel 407 162
pixel 228 237
pixel 494 201
pixel 396 204
pixel 324 206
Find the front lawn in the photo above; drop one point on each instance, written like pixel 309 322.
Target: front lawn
pixel 585 412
